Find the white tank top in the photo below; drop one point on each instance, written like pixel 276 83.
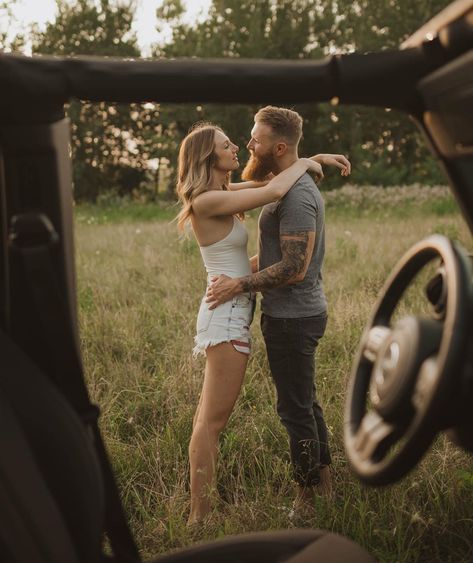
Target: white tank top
pixel 229 255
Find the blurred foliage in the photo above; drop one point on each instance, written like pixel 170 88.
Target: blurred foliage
pixel 385 147
pixel 374 25
pixel 123 149
pixel 9 42
pixel 111 143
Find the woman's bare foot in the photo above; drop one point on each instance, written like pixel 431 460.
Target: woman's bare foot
pixel 196 524
pixel 303 507
pixel 199 515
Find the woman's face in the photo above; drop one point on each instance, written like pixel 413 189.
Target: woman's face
pixel 226 153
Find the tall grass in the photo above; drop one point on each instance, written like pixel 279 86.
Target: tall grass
pixel 139 291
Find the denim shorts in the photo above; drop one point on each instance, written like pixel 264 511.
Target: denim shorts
pixel 229 322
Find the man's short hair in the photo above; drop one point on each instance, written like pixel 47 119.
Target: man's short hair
pixel 285 123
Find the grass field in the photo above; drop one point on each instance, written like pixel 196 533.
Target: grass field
pixel 139 291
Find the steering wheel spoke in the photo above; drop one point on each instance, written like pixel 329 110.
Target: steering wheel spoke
pixel 425 383
pixel 377 335
pixel 373 436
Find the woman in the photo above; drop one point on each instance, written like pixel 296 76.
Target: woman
pixel 214 208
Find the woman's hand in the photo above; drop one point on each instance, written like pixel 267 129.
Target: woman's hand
pixel 314 167
pixel 338 160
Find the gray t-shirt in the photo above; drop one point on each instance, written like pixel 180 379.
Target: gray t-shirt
pixel 301 209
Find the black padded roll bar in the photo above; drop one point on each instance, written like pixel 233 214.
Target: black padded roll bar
pixel 34 85
pixel 34 89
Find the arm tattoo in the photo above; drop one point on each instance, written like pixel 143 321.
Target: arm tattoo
pixel 294 253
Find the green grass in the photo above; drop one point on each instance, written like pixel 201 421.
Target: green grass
pixel 123 211
pixel 139 291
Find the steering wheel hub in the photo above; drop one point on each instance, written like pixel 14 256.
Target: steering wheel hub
pixel 397 364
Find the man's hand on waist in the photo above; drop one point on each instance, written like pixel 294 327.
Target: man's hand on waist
pixel 222 289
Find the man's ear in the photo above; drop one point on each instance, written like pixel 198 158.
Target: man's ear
pixel 281 149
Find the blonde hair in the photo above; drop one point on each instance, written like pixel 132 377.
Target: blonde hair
pixel 285 123
pixel 194 170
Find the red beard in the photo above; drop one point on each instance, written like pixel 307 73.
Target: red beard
pixel 258 168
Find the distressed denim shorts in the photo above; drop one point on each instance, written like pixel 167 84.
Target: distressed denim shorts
pixel 229 322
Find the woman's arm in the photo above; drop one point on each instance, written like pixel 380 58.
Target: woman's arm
pixel 338 160
pixel 233 186
pixel 254 263
pixel 221 202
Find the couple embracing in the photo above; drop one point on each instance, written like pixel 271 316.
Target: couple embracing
pixel 287 272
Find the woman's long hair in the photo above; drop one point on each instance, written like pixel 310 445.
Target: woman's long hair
pixel 194 172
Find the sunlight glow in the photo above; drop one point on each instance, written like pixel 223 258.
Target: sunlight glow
pixel 40 12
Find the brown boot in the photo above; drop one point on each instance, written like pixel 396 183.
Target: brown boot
pixel 324 488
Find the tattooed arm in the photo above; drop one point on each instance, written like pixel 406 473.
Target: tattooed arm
pixel 296 252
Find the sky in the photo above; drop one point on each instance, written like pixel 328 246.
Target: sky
pixel 42 11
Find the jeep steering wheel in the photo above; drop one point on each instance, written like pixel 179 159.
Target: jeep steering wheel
pixel 404 376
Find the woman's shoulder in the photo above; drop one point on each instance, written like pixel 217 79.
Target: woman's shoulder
pixel 201 200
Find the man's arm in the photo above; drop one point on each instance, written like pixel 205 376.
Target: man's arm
pixel 296 250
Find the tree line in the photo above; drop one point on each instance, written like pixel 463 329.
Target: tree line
pixel 131 150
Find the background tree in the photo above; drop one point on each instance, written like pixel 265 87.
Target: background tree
pixel 385 146
pixel 244 29
pixel 120 149
pixel 9 42
pixel 5 17
pixel 111 143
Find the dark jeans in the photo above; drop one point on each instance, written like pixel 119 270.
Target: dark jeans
pixel 290 345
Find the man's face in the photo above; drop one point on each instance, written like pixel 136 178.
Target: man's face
pixel 262 160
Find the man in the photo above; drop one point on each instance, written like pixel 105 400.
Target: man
pixel 287 271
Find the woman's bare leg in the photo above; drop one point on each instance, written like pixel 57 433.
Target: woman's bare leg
pixel 224 372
